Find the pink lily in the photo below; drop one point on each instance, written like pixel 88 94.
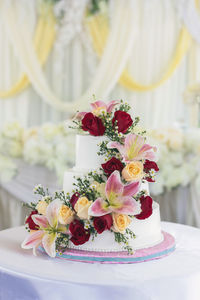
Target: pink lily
pixel 48 230
pixel 98 108
pixel 119 198
pixel 134 148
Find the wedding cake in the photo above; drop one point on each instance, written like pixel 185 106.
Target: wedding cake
pixel 105 206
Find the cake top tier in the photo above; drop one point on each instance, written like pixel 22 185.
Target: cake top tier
pixel 87 147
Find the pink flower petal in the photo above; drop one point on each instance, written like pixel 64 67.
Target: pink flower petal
pixel 145 148
pixel 111 105
pixel 98 208
pixel 41 221
pixel 52 212
pixel 129 206
pixel 131 189
pixel 33 240
pixel 116 145
pixel 49 243
pixel 80 115
pixel 133 144
pixel 97 104
pixel 114 186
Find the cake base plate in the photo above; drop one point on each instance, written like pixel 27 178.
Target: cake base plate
pixel 160 250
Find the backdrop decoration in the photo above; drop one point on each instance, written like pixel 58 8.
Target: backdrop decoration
pixel 99 30
pixel 43 41
pixel 113 60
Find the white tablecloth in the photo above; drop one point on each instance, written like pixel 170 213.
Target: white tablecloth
pixel 25 277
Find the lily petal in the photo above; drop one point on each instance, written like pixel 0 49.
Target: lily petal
pixel 80 115
pixel 97 104
pixel 33 240
pixel 41 221
pixel 129 206
pixel 131 189
pixel 133 144
pixel 111 105
pixel 49 243
pixel 52 212
pixel 98 208
pixel 118 146
pixel 114 186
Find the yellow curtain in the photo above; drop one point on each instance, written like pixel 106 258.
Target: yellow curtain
pixel 43 42
pixel 98 28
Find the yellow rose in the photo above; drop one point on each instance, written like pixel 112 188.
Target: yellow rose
pixel 42 207
pixel 66 215
pixel 133 171
pixel 120 222
pixel 82 206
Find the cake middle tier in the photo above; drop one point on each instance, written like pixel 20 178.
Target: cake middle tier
pixel 71 175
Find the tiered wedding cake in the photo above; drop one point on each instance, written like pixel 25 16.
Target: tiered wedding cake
pixel 105 211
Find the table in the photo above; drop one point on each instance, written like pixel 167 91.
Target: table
pixel 177 276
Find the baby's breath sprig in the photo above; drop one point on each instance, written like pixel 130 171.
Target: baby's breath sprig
pixel 103 150
pixel 39 190
pixel 31 205
pixel 124 106
pixel 140 194
pixel 83 187
pixel 77 124
pixel 60 195
pixel 124 239
pixel 97 176
pixel 62 242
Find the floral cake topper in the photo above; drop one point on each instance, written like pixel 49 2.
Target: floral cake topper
pixel 105 199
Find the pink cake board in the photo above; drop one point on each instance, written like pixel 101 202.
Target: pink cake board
pixel 166 247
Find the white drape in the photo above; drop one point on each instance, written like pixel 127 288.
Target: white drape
pixel 157 27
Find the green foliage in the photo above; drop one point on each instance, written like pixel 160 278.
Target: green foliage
pixel 124 239
pixel 62 242
pixel 83 187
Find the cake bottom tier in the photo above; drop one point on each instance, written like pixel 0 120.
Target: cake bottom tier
pixel 160 250
pixel 148 233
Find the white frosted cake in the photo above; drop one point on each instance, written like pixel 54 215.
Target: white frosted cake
pixel 148 231
pixel 105 212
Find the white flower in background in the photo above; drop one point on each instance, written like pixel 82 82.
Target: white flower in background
pixel 13 130
pixel 8 169
pixel 175 139
pixel 49 131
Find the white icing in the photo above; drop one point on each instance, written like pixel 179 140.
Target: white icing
pixel 86 152
pixel 147 231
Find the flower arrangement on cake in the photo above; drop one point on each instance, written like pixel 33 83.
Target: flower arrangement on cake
pixel 112 198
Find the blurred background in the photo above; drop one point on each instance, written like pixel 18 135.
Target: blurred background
pixel 56 54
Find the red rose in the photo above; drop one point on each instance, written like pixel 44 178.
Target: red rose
pixel 149 165
pixel 93 125
pixel 79 234
pixel 30 221
pixel 74 199
pixel 103 223
pixel 146 207
pixel 112 165
pixel 123 120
